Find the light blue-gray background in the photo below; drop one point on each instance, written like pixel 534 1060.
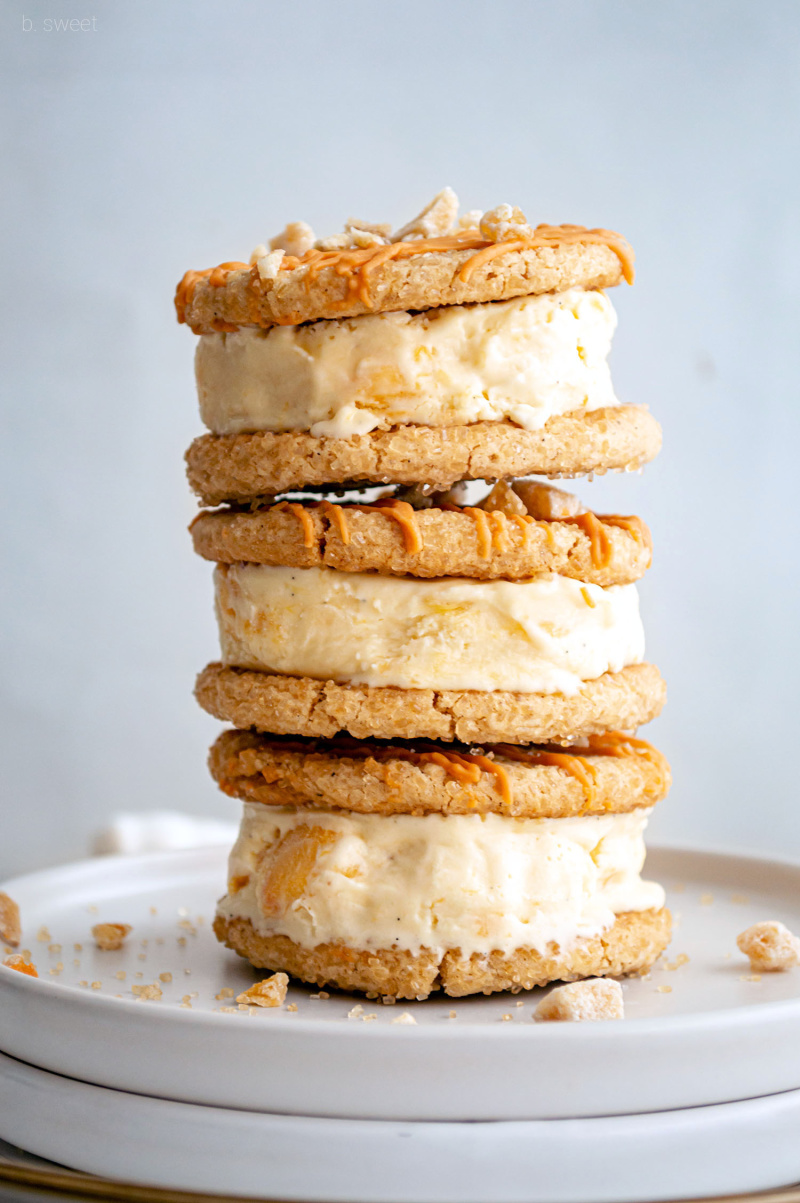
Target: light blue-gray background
pixel 176 135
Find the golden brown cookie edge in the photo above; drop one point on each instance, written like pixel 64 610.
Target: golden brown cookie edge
pixel 634 942
pixel 244 467
pixel 273 772
pixel 452 545
pixel 427 281
pixel 286 705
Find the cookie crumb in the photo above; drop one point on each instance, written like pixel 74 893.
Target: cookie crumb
pixel 367 1018
pixel 97 985
pixel 389 1000
pixel 225 992
pixel 153 910
pixel 356 1012
pixel 750 977
pixel 147 992
pixel 292 1007
pixel 110 936
pixel 43 935
pixel 120 975
pixel 404 1017
pixel 54 948
pixel 165 977
pixel 597 998
pixel 681 959
pixel 10 925
pixel 507 1016
pixel 706 899
pixel 770 946
pixel 78 947
pixel 664 989
pixel 521 1003
pixel 740 898
pixel 269 993
pixel 18 962
pixel 451 1015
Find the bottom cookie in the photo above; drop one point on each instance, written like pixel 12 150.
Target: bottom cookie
pixel 631 945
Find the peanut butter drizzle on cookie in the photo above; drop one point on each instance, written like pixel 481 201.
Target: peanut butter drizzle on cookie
pixel 545 235
pixel 498 524
pixel 467 767
pixel 600 543
pixel 357 265
pixel 587 597
pixel 482 528
pixel 634 526
pixel 217 278
pixel 337 515
pixel 301 513
pixel 612 743
pixel 405 515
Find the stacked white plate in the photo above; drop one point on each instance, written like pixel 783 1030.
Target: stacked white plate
pixel 696 1093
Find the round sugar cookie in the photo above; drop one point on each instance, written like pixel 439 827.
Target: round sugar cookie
pixel 421 274
pixel 393 539
pixel 613 774
pixel 286 705
pixel 244 467
pixel 634 942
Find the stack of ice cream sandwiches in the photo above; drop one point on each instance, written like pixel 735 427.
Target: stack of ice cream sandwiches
pixel 433 664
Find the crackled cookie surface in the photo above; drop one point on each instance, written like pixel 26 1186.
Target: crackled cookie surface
pixel 242 467
pixel 287 705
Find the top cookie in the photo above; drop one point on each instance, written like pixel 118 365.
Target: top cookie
pixel 437 259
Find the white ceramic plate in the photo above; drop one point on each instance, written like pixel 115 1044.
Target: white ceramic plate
pixel 733 1147
pixel 698 1034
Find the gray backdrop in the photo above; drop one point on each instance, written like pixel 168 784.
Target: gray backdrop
pixel 167 136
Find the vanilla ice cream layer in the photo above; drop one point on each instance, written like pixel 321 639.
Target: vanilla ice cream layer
pixel 474 882
pixel 544 635
pixel 525 360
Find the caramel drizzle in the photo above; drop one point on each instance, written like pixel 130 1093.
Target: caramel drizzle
pixel 482 528
pixel 612 743
pixel 357 265
pixel 545 235
pixel 499 527
pixel 491 527
pixel 634 526
pixel 337 515
pixel 467 767
pixel 217 278
pixel 404 514
pixel 600 543
pixel 301 513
